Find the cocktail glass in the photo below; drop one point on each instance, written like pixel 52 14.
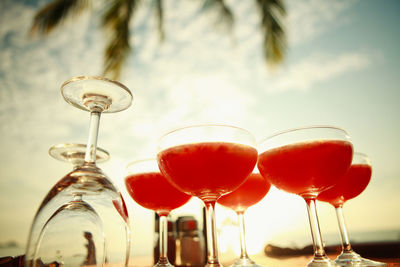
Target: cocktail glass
pixel 306 161
pixel 85 202
pixel 151 190
pixel 352 184
pixel 207 161
pixel 252 191
pixel 89 225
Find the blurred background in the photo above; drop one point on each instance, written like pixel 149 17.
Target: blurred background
pixel 340 67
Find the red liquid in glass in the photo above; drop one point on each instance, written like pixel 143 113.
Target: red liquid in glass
pixel 152 191
pixel 349 186
pixel 306 168
pixel 249 193
pixel 207 170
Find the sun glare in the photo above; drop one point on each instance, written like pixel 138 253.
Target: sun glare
pixel 276 214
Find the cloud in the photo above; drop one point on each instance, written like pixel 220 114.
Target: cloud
pixel 317 68
pixel 308 19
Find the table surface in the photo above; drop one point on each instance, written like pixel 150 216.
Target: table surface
pixel 303 260
pixel 261 259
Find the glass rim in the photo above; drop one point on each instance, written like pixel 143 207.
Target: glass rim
pixel 360 154
pixel 304 128
pixel 101 154
pixel 61 145
pixel 207 125
pixel 139 161
pixel 361 158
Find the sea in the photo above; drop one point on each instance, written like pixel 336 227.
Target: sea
pixel 333 238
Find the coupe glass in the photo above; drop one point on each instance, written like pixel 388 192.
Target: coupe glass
pixel 207 161
pixel 352 184
pixel 306 161
pixel 149 188
pixel 84 208
pixel 252 191
pixel 89 223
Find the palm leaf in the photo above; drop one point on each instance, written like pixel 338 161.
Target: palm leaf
pixel 274 35
pixel 116 20
pixel 160 19
pixel 52 14
pixel 226 14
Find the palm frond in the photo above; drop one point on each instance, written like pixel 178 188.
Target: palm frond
pixel 160 19
pixel 275 43
pixel 226 14
pixel 52 14
pixel 116 20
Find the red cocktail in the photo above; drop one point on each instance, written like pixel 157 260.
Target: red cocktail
pixel 149 188
pixel 246 195
pixel 207 161
pixel 352 184
pixel 207 170
pixel 306 168
pixel 152 191
pixel 306 161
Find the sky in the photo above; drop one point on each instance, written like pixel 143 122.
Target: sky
pixel 341 68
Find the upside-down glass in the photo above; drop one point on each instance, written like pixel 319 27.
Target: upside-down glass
pixel 252 191
pixel 84 206
pixel 207 161
pixel 352 184
pixel 151 190
pixel 306 161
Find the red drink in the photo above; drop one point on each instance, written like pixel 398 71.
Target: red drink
pixel 349 186
pixel 152 191
pixel 306 168
pixel 207 170
pixel 249 193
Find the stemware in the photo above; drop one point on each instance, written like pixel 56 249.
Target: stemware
pixel 352 184
pixel 207 161
pixel 83 206
pixel 252 191
pixel 149 188
pixel 88 224
pixel 306 161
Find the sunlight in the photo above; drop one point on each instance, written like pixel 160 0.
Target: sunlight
pixel 208 96
pixel 276 214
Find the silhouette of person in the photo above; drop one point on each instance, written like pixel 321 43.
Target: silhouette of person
pixel 91 250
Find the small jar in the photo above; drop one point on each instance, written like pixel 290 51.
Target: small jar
pixel 190 246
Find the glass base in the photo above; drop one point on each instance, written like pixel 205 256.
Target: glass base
pixel 163 263
pixel 213 265
pixel 245 262
pixel 322 261
pixel 91 92
pixel 353 259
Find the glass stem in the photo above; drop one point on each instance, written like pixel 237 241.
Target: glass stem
pixel 212 244
pixel 319 252
pixel 242 231
pixel 90 155
pixel 163 240
pixel 343 230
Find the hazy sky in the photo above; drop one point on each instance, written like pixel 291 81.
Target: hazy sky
pixel 342 68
